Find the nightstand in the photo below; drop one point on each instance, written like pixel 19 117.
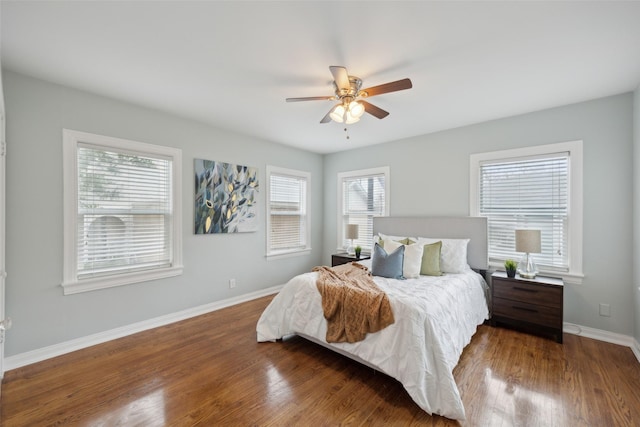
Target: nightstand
pixel 339 259
pixel 534 305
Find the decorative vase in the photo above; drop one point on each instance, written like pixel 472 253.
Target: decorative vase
pixel 511 273
pixel 357 253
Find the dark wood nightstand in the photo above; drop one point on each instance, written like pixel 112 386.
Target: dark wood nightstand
pixel 535 305
pixel 339 259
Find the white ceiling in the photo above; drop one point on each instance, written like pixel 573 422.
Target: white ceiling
pixel 232 64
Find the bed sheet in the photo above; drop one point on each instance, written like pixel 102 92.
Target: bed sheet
pixel 435 318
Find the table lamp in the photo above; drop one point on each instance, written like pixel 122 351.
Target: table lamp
pixel 352 233
pixel 528 241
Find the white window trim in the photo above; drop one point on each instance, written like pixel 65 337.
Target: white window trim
pixel 575 149
pixel 351 174
pixel 70 282
pixel 272 255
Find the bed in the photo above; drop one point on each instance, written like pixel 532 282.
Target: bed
pixel 435 316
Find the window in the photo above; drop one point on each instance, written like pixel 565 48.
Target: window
pixel 537 188
pixel 362 195
pixel 288 221
pixel 122 212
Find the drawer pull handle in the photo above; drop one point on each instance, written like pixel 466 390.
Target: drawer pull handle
pixel 531 310
pixel 533 291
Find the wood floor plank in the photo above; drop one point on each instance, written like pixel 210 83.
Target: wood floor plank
pixel 210 370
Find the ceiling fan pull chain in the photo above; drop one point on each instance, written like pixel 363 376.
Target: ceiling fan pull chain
pixel 346 133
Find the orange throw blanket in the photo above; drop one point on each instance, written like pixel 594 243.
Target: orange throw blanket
pixel 352 303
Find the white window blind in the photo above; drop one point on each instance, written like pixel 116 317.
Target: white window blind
pixel 289 227
pixel 363 197
pixel 528 193
pixel 124 212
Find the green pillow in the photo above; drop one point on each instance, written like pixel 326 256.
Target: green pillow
pixel 431 260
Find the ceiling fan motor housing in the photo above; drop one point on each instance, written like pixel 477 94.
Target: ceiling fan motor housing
pixel 355 83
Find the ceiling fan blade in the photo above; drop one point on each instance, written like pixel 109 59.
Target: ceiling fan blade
pixel 387 87
pixel 312 98
pixel 340 76
pixel 373 110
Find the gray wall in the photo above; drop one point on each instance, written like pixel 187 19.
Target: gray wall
pixel 430 176
pixel 37 112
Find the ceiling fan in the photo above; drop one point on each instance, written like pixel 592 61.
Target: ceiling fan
pixel 347 91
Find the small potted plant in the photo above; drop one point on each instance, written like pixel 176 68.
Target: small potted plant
pixel 510 266
pixel 358 250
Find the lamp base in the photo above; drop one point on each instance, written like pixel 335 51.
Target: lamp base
pixel 527 268
pixel 351 250
pixel 527 275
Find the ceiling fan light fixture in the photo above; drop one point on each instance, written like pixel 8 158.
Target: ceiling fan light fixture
pixel 351 119
pixel 356 109
pixel 337 114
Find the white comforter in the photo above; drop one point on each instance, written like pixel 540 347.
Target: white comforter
pixel 435 318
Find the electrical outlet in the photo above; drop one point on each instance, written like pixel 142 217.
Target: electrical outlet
pixel 232 283
pixel 605 310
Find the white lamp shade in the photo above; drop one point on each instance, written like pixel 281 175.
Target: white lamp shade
pixel 352 231
pixel 356 109
pixel 351 119
pixel 528 241
pixel 337 114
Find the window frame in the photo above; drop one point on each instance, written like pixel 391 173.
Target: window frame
pixel 71 284
pixel 384 170
pixel 276 254
pixel 575 228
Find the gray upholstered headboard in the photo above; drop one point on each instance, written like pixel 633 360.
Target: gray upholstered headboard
pixel 474 228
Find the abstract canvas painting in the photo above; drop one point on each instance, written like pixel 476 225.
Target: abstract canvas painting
pixel 225 197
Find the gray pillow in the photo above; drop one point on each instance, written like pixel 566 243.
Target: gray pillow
pixel 387 265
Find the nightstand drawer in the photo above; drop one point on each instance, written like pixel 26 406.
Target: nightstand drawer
pixel 531 293
pixel 538 314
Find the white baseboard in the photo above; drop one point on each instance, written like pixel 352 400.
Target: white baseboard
pixel 38 355
pixel 636 349
pixel 606 336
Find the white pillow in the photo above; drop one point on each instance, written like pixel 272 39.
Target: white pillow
pixel 412 257
pixel 453 256
pixel 381 236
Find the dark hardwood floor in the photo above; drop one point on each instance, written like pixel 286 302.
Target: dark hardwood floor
pixel 210 370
